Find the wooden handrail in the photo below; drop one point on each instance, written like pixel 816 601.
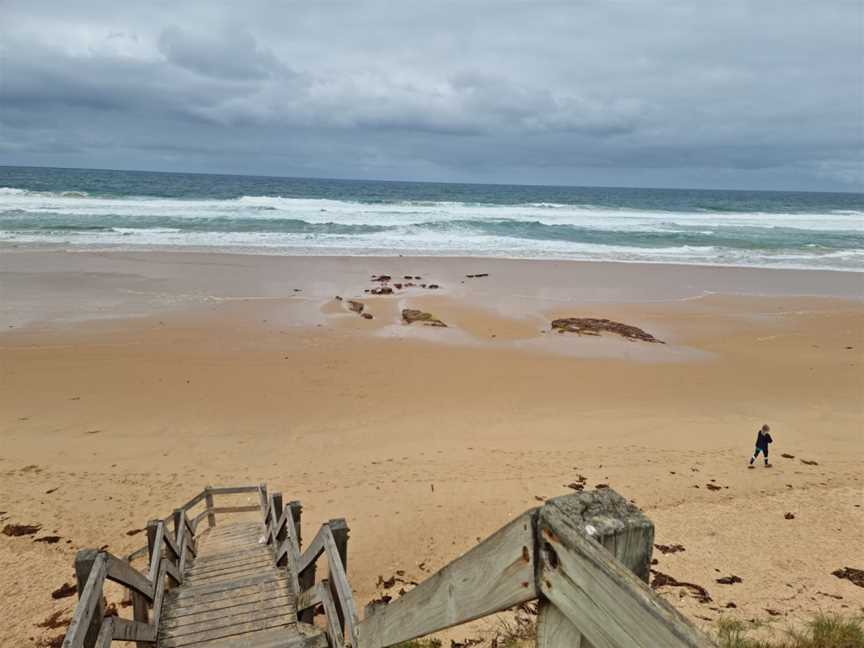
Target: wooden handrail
pixel 325 543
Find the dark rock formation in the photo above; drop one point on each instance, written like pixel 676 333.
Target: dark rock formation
pixel 594 326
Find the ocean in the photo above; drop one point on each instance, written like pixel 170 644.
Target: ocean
pixel 96 209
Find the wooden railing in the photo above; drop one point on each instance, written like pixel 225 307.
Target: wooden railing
pixel 168 551
pixel 584 556
pixel 333 594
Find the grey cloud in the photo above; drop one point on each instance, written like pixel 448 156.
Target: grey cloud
pixel 674 93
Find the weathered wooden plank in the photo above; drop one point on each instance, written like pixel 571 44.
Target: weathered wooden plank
pixel 554 630
pixel 122 572
pixel 334 632
pixel 618 526
pixel 228 574
pixel 230 609
pixel 106 633
pixel 159 595
pixel 270 577
pixel 256 560
pixel 227 621
pixel 220 633
pixel 295 508
pixel 339 532
pixel 300 636
pixel 308 599
pixel 236 598
pixel 91 568
pixel 607 602
pixel 126 630
pixel 140 613
pixel 171 543
pixel 313 551
pixel 346 612
pixel 208 499
pixel 192 502
pixel 231 490
pixel 493 576
pixel 245 508
pixel 155 535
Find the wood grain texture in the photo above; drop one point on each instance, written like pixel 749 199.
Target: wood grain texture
pixel 493 576
pixel 608 603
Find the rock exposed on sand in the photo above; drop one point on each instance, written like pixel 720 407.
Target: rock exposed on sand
pixel 356 306
pixel 64 591
pixel 366 315
pixel 383 290
pixel 667 549
pixel 433 286
pixel 789 516
pixel 21 529
pixel 410 315
pixel 397 286
pixel 595 326
pixel 729 580
pixel 854 576
pixel 382 278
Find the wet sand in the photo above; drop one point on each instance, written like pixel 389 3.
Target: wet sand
pixel 130 380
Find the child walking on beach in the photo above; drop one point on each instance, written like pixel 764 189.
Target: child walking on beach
pixel 762 441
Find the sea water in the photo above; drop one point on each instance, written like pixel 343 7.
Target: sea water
pixel 96 209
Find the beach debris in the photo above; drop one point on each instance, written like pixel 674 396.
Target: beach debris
pixel 51 642
pixel 382 278
pixel 665 580
pixel 712 487
pixel 433 286
pixel 397 286
pixel 110 609
pixel 356 306
pixel 602 486
pixel 367 316
pixel 383 290
pixel 667 549
pixel 408 277
pixel 809 463
pixel 337 298
pixel 64 591
pixel 854 576
pixel 132 532
pixel 729 580
pixel 539 498
pixel 477 276
pixel 410 315
pixel 14 530
pixel 773 612
pixel 595 326
pixel 575 486
pixel 51 539
pixel 381 600
pixel 730 605
pixel 55 621
pixel 789 516
pixel 787 456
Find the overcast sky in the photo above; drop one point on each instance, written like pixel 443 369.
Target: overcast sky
pixel 743 94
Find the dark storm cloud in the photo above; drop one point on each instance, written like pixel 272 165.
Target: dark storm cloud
pixel 739 93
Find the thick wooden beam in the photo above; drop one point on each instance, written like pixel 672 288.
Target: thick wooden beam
pixel 91 568
pixel 126 630
pixel 493 576
pixel 155 534
pixel 231 490
pixel 122 572
pixel 615 524
pixel 208 498
pixel 296 509
pixel 339 531
pixel 607 602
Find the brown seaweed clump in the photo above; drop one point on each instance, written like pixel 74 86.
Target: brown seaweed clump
pixel 409 316
pixel 595 326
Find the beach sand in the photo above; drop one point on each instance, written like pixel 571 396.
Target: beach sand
pixel 128 381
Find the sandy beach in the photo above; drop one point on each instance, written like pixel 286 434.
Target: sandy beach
pixel 129 380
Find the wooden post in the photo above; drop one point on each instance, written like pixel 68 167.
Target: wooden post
pixel 84 560
pixel 178 521
pixel 276 499
pixel 262 499
pixel 614 523
pixel 296 512
pixel 140 613
pixel 339 528
pixel 208 499
pixel 306 580
pixel 607 599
